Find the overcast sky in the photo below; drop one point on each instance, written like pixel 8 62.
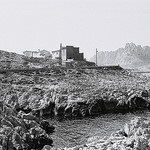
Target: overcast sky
pixel 89 24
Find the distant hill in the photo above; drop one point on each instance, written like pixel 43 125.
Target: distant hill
pixel 131 56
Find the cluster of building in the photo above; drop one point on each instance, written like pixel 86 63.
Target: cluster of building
pixel 64 55
pixel 39 53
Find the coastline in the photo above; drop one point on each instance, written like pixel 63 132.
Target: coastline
pixel 72 94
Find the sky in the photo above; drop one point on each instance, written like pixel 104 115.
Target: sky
pixel 88 24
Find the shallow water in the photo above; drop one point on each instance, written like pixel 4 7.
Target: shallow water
pixel 69 133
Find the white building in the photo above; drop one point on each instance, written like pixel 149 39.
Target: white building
pixel 39 53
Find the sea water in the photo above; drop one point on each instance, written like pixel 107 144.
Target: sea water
pixel 72 132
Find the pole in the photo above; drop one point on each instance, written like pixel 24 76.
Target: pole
pixel 96 56
pixel 60 54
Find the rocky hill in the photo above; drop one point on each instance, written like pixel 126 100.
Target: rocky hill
pixel 10 60
pixel 131 56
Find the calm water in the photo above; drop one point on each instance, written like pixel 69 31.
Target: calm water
pixel 70 133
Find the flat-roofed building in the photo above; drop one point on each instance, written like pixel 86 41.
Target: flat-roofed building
pixel 67 54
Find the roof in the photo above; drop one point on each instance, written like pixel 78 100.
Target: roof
pixel 58 49
pixel 31 51
pixel 55 51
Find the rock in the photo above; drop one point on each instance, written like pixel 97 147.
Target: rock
pixel 110 104
pixel 122 106
pixel 76 111
pixel 48 109
pixel 68 111
pixel 6 123
pixel 47 127
pixel 47 147
pixel 96 107
pixel 134 136
pixel 140 102
pixel 144 94
pixel 8 110
pixel 30 123
pixel 27 116
pixel 60 109
pixel 135 102
pixel 15 121
pixel 84 111
pixel 17 141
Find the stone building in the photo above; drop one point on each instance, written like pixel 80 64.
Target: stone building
pixel 67 54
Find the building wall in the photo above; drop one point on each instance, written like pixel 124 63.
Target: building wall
pixel 63 56
pixel 73 53
pixel 33 54
pixel 28 53
pixel 68 52
pixel 36 54
pixel 55 54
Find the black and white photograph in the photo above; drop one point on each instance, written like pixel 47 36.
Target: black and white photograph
pixel 74 74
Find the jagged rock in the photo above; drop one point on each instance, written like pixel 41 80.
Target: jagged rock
pixel 68 111
pixel 17 141
pixel 27 116
pixel 84 111
pixel 47 147
pixel 47 127
pixel 48 109
pixel 110 104
pixel 30 123
pixel 8 110
pixel 140 102
pixel 40 142
pixel 6 123
pixel 122 105
pixel 144 94
pixel 76 111
pixel 96 107
pixel 60 109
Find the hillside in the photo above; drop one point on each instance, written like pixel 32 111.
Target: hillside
pixel 131 56
pixel 9 60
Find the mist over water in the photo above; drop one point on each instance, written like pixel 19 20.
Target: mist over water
pixel 69 133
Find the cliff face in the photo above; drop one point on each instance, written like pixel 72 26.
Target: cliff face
pixel 131 56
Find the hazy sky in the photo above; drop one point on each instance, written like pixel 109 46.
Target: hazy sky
pixel 88 24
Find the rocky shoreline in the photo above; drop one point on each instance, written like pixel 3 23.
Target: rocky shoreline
pixel 21 131
pixel 133 136
pixel 73 93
